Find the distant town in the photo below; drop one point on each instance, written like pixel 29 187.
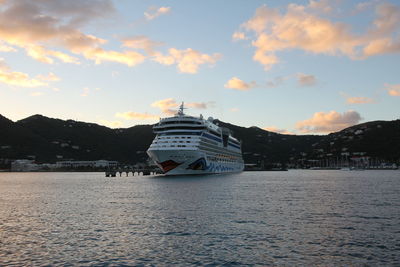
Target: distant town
pixel 355 162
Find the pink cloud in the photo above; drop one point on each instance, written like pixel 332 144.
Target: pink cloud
pixel 187 61
pixel 16 78
pixel 154 12
pixel 300 27
pixel 359 100
pixel 393 89
pixel 326 122
pixel 306 79
pixel 237 84
pixel 111 124
pixel 169 106
pixel 277 130
pixel 38 25
pixel 130 115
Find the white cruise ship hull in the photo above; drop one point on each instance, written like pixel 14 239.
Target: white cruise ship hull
pixel 185 145
pixel 189 162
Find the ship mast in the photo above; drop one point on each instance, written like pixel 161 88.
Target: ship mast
pixel 181 108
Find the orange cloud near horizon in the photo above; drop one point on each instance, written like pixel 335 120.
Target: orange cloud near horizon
pixel 15 78
pixel 277 130
pixel 327 122
pixel 130 115
pixel 169 106
pixel 111 124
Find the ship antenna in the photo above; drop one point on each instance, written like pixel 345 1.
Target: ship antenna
pixel 181 108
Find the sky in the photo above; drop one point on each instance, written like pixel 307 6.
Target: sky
pixel 294 67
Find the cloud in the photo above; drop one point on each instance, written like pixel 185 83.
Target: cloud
pixel 17 78
pixel 130 115
pixel 200 105
pixel 306 80
pixel 393 89
pixel 237 84
pixel 111 124
pixel 49 77
pixel 301 27
pixel 359 100
pixel 326 122
pixel 363 6
pixel 141 42
pixel 277 130
pixel 154 12
pixel 51 31
pixel 276 82
pixel 239 36
pixel 37 25
pixel 130 58
pixel 169 106
pixel 322 6
pixel 6 48
pixel 45 56
pixel 234 110
pixel 187 61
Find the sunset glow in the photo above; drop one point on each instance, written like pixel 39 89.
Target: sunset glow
pixel 295 67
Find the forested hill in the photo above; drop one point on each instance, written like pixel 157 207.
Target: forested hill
pixel 49 140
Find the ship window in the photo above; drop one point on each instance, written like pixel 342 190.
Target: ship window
pixel 182 133
pixel 215 133
pixel 182 122
pixel 180 128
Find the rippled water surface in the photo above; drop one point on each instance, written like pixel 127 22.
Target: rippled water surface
pixel 289 218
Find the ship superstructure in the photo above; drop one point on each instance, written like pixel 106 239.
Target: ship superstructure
pixel 192 145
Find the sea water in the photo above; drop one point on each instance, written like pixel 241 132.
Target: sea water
pixel 298 217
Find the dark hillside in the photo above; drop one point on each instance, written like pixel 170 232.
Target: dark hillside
pixel 19 142
pixel 88 141
pixel 258 144
pixel 377 139
pixel 50 140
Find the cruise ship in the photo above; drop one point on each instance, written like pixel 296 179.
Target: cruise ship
pixel 192 145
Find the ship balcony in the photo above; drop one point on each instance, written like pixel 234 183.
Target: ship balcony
pixel 180 126
pixel 177 146
pixel 179 131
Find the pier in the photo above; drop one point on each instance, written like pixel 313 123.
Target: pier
pixel 135 172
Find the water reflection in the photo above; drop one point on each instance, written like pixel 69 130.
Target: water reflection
pixel 266 218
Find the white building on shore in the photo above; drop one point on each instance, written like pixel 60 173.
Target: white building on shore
pixel 24 165
pixel 86 163
pixel 27 165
